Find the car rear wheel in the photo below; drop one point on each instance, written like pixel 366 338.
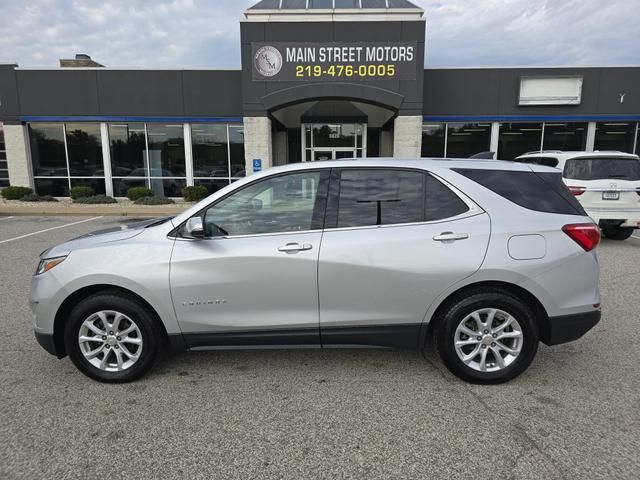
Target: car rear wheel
pixel 618 233
pixel 110 337
pixel 487 337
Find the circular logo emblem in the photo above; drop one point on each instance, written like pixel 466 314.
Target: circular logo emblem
pixel 268 61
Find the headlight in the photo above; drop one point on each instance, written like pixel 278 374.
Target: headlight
pixel 47 264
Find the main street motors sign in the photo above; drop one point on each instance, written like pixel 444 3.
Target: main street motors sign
pixel 290 62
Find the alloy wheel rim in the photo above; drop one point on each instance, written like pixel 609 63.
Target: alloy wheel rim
pixel 488 340
pixel 110 341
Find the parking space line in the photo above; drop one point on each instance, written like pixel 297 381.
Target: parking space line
pixel 6 218
pixel 49 229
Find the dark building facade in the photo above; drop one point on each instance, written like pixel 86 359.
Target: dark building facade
pixel 318 80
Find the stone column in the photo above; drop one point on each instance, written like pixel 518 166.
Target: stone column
pixel 407 136
pixel 257 142
pixel 16 139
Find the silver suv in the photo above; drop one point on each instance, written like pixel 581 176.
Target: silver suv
pixel 481 258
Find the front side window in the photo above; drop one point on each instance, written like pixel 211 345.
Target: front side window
pixel 285 203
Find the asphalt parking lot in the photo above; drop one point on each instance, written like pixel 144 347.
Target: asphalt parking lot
pixel 317 414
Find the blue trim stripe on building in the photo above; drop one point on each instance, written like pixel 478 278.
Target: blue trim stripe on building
pixel 90 118
pixel 529 118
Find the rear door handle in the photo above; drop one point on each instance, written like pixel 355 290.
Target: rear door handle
pixel 450 237
pixel 295 247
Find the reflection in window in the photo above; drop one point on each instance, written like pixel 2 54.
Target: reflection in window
pixel 616 136
pixel 166 150
pixel 209 143
pixel 467 139
pixel 47 149
pixel 565 136
pixel 236 150
pixel 281 204
pixel 4 171
pixel 518 138
pixel 441 202
pixel 84 147
pixel 380 197
pixel 433 140
pixel 128 150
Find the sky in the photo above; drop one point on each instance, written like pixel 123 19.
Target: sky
pixel 206 33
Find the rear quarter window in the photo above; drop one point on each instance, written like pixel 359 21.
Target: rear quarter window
pixel 541 192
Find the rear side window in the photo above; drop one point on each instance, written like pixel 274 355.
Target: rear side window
pixel 602 168
pixel 380 197
pixel 440 201
pixel 542 192
pixel 546 161
pixel 369 197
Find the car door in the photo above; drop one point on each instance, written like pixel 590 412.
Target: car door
pixel 252 279
pixel 394 240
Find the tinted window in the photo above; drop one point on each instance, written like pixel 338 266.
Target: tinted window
pixel 380 197
pixel 546 161
pixel 539 192
pixel 601 168
pixel 440 201
pixel 285 203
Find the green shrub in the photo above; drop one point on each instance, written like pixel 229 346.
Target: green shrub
pixel 16 193
pixel 154 201
pixel 195 193
pixel 95 199
pixel 135 193
pixel 34 197
pixel 81 192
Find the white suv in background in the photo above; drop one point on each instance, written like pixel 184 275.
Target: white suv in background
pixel 607 184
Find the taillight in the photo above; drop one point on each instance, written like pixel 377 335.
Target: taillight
pixel 587 235
pixel 577 190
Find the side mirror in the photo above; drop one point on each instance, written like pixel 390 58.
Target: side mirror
pixel 194 227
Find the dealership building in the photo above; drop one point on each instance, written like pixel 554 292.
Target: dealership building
pixel 319 79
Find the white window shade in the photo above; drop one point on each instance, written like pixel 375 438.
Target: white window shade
pixel 550 90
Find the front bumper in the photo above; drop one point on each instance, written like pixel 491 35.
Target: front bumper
pixel 567 328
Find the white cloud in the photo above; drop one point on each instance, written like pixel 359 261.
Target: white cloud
pixel 206 33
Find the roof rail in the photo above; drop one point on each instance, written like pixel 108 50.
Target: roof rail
pixel 542 151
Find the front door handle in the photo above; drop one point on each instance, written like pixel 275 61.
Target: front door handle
pixel 295 247
pixel 450 237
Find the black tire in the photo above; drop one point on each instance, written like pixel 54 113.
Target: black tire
pixel 618 233
pixel 129 306
pixel 454 313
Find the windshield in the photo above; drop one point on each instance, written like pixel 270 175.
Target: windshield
pixel 602 168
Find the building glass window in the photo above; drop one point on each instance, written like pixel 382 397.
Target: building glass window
pixel 236 151
pixel 618 136
pixel 4 171
pixel 518 138
pixel 218 154
pixel 84 147
pixel 565 136
pixel 433 143
pixel 467 139
pixel 127 144
pixel 48 150
pixel 65 156
pixel 166 159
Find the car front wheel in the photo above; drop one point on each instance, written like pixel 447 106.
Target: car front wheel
pixel 110 337
pixel 487 337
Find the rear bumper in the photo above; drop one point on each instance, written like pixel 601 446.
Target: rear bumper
pixel 628 217
pixel 567 328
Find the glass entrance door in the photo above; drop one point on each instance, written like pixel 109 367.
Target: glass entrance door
pixel 333 153
pixel 329 141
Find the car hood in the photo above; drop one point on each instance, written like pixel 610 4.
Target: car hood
pixel 106 235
